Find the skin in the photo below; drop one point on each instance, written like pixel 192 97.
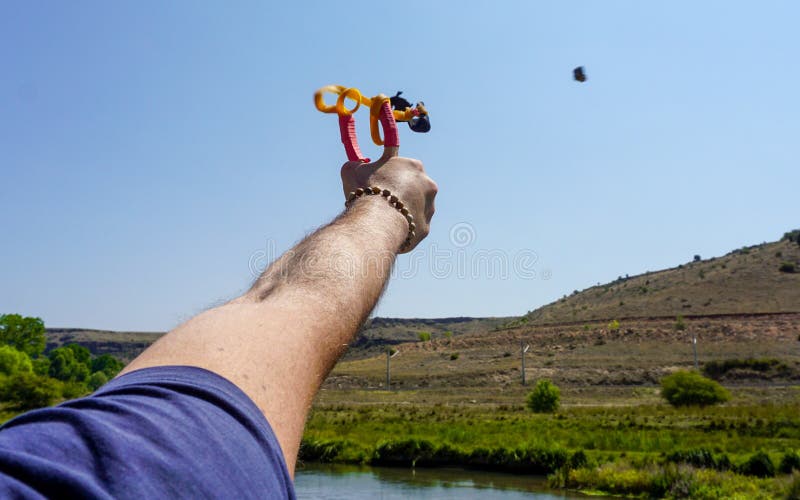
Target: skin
pixel 279 340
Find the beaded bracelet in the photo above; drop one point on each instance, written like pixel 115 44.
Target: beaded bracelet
pixel 393 202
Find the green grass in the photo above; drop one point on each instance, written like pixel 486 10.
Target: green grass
pixel 631 446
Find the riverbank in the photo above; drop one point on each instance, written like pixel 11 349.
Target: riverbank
pixel 632 444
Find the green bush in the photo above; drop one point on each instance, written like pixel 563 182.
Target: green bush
pixel 424 336
pixel 544 398
pixel 684 388
pixel 41 365
pixel 787 267
pixel 680 324
pixel 27 390
pixel 97 380
pixel 759 465
pixel 718 369
pixel 108 364
pixel 613 326
pixel 578 460
pixel 702 458
pixel 790 462
pixel 454 356
pixel 792 235
pixel 13 361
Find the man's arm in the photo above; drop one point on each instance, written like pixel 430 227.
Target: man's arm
pixel 279 341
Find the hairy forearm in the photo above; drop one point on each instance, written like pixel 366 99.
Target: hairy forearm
pixel 341 269
pixel 279 340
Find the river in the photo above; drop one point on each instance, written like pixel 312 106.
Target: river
pixel 329 482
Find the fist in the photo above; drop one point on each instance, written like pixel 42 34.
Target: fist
pixel 406 179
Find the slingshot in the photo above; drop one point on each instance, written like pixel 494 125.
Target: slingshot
pixel 380 110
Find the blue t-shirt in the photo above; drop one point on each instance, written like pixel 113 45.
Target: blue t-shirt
pixel 164 432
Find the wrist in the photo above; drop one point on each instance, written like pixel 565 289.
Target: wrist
pixel 382 218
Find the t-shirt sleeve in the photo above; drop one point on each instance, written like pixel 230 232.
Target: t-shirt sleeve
pixel 163 432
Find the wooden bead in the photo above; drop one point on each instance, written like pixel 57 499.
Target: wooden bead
pixel 392 199
pixel 411 226
pixel 404 211
pixel 409 218
pixel 376 190
pixel 359 192
pixel 398 205
pixel 386 193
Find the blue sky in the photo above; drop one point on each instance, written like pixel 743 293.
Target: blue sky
pixel 153 154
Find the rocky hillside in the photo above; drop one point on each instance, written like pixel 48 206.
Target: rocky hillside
pixel 751 280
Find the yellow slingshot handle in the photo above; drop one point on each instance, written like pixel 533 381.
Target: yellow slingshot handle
pixel 355 95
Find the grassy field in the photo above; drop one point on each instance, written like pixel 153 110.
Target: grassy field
pixel 613 432
pixel 627 435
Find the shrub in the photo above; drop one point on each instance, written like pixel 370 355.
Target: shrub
pixel 759 465
pixel 578 460
pixel 320 450
pixel 718 369
pixel 448 334
pixel 108 364
pixel 27 390
pixel 13 361
pixel 454 356
pixel 702 458
pixel 685 388
pixel 790 462
pixel 544 398
pixel 697 258
pixel 792 235
pixel 97 380
pixel 680 324
pixel 41 365
pixel 787 267
pixel 424 336
pixel 614 325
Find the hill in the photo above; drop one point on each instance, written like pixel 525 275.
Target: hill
pixel 745 281
pixel 739 300
pixel 372 339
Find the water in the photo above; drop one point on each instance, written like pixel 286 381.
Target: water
pixel 333 482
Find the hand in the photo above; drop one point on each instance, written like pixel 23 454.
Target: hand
pixel 406 179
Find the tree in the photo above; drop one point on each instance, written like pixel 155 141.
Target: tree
pixel 108 365
pixel 685 388
pixel 13 361
pixel 26 334
pixel 544 398
pixel 67 366
pixel 82 354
